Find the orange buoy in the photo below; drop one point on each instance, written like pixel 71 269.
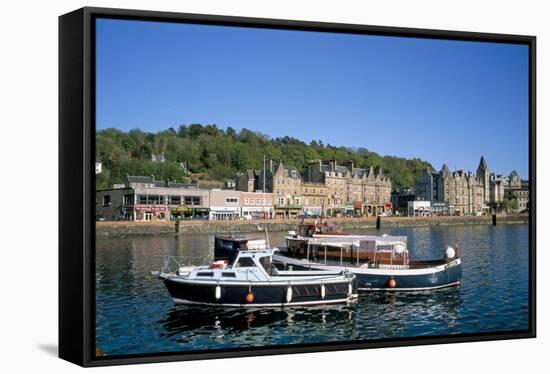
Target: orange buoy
pixel 391 283
pixel 249 297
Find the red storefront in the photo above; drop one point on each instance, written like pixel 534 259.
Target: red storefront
pixel 150 212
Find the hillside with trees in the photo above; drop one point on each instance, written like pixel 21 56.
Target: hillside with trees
pixel 213 153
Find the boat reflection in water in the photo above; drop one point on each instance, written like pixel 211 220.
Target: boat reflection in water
pixel 183 319
pixel 374 316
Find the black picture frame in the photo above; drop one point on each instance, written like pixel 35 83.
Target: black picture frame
pixel 77 181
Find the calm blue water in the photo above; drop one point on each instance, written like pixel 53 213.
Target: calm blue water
pixel 136 315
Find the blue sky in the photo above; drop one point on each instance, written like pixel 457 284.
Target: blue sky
pixel 442 101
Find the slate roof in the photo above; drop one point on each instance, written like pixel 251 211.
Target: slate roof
pixel 514 174
pixel 134 179
pixel 139 179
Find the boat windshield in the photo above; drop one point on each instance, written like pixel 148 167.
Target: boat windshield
pixel 245 262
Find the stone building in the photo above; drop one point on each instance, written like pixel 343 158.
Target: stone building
pixel 350 189
pixel 517 190
pixel 339 188
pixel 283 182
pixel 286 185
pixel 314 198
pixel 464 192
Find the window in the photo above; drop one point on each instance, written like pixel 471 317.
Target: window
pixel 245 262
pixel 154 199
pixel 175 200
pixel 128 200
pixel 205 274
pixel 142 199
pixel 231 200
pixel 246 201
pixel 191 200
pixel 106 200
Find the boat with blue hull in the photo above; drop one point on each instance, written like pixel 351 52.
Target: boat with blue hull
pixel 380 263
pixel 250 278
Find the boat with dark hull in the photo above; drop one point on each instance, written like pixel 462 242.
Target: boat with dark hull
pixel 250 278
pixel 380 263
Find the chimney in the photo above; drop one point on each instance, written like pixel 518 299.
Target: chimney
pixel 348 164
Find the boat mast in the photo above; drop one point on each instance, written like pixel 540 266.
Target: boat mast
pixel 265 213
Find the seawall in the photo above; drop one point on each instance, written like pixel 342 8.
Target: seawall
pixel 129 228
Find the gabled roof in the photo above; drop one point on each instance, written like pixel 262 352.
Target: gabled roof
pixel 288 171
pixel 293 172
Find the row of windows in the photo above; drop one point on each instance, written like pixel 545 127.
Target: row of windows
pixel 282 192
pixel 167 200
pixel 283 201
pixel 257 201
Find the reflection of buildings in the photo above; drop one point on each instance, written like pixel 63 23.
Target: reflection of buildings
pixel 145 199
pixel 464 192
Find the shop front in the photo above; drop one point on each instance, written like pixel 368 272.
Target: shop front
pixel 224 213
pixel 184 212
pixel 388 208
pixel 358 208
pixel 287 211
pixel 256 212
pixel 313 210
pixel 150 212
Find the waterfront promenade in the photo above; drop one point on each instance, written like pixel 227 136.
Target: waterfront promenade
pixel 124 228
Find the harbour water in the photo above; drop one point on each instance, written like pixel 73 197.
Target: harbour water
pixel 135 314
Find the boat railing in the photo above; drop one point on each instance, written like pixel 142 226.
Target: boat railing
pixel 169 262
